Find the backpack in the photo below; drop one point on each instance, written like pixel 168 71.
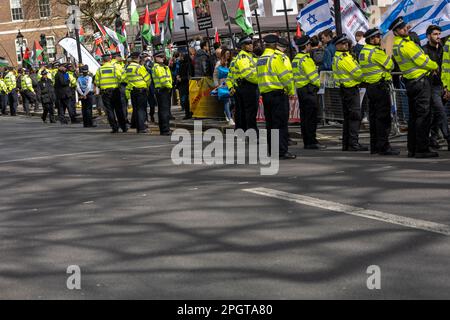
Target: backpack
pixel 317 55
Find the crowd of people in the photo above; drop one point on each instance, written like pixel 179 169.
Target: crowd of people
pixel 273 69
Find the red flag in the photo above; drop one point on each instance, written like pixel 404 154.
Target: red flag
pixel 157 32
pixel 27 56
pixel 37 51
pixel 100 28
pixel 216 37
pixel 299 31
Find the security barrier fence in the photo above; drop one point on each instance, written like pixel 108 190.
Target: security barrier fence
pixel 331 105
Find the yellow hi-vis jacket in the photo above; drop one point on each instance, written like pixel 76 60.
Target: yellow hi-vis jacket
pixel 305 71
pixel 10 81
pixel 162 76
pixel 3 87
pixel 231 81
pixel 375 64
pixel 136 76
pixel 346 71
pixel 108 76
pixel 445 74
pixel 245 67
pixel 273 74
pixel 27 83
pixel 411 59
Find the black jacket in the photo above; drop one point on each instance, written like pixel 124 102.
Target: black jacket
pixel 47 91
pixel 436 55
pixel 62 85
pixel 202 64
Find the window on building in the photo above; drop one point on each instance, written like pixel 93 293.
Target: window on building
pixel 16 10
pixel 51 48
pixel 44 8
pixel 19 57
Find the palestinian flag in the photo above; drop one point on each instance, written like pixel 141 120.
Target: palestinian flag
pixel 98 53
pixel 146 30
pixel 157 31
pixel 37 52
pixel 100 28
pixel 122 33
pixel 241 19
pixel 168 24
pixel 3 62
pixel 134 15
pixel 27 56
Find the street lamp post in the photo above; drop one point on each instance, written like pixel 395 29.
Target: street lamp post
pixel 19 38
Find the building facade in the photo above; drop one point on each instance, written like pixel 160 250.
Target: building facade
pixel 33 18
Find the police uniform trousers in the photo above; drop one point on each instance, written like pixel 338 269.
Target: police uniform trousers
pixel 419 122
pixel 247 95
pixel 63 105
pixel 307 100
pixel 13 101
pixel 379 116
pixel 48 109
pixel 351 108
pixel 86 110
pixel 113 109
pixel 139 103
pixel 28 98
pixel 439 121
pixel 183 89
pixel 163 97
pixel 123 99
pixel 276 112
pixel 72 107
pixel 3 102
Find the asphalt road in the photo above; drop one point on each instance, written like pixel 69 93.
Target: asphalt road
pixel 140 227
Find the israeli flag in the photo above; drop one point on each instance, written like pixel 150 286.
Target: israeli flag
pixel 412 12
pixel 439 15
pixel 316 17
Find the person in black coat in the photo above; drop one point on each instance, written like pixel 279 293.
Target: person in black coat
pixel 182 83
pixel 47 97
pixel 63 92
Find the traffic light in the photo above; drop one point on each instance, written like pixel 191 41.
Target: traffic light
pixel 43 41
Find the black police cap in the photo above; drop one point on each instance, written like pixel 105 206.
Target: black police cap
pixel 159 53
pixel 84 68
pixel 245 40
pixel 283 42
pixel 303 41
pixel 397 23
pixel 44 72
pixel 341 38
pixel 106 56
pixel 135 55
pixel 271 38
pixel 372 33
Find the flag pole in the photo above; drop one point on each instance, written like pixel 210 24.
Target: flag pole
pixel 257 24
pixel 286 10
pixel 337 17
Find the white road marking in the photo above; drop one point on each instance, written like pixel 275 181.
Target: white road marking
pixel 81 153
pixel 355 211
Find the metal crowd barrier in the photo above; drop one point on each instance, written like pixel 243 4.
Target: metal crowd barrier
pixel 331 105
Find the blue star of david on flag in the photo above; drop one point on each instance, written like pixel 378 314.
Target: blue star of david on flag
pixel 407 4
pixel 312 19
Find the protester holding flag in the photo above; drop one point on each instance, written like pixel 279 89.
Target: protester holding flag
pixel 416 67
pixel 376 66
pixel 348 74
pixel 439 121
